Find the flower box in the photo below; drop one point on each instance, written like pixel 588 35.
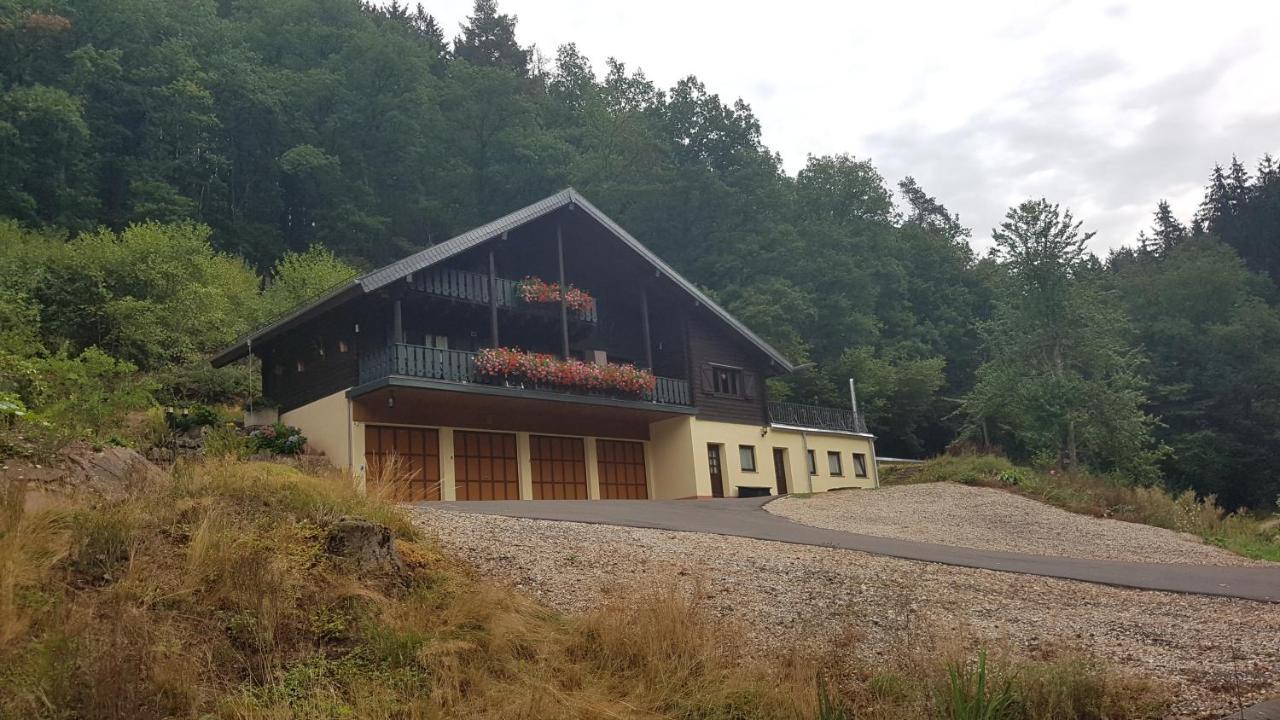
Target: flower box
pixel 536 290
pixel 511 364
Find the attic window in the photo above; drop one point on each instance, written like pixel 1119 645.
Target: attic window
pixel 301 366
pixel 726 381
pixel 342 346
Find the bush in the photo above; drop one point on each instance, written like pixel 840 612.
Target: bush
pixel 279 439
pixel 226 441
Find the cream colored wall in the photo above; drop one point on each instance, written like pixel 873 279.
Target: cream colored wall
pixel 326 424
pixel 672 462
pixel 698 434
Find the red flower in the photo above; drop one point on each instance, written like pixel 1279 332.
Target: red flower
pixel 541 368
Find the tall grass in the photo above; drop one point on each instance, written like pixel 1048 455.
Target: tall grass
pixel 211 596
pixel 1082 492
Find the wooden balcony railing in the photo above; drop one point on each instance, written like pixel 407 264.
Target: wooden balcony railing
pixel 474 288
pixel 458 366
pixel 814 416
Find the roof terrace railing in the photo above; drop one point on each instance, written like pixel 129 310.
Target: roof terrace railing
pixel 816 417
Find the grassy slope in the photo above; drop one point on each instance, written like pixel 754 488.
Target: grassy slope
pixel 1093 495
pixel 211 595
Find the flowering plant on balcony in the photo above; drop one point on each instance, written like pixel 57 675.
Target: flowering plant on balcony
pixel 514 364
pixel 536 290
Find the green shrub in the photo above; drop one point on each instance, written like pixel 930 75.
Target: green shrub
pixel 969 696
pixel 226 441
pixel 279 438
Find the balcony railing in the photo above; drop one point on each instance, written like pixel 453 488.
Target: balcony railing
pixel 458 366
pixel 814 416
pixel 474 288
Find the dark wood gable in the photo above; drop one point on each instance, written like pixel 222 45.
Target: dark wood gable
pixel 714 350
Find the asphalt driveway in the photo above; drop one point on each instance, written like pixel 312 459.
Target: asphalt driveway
pixel 745 517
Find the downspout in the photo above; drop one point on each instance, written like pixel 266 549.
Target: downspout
pixel 804 443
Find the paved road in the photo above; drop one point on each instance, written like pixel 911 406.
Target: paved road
pixel 746 518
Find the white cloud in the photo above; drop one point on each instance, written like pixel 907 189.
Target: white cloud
pixel 1105 107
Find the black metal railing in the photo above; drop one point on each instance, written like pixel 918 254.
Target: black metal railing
pixel 474 288
pixel 459 366
pixel 817 417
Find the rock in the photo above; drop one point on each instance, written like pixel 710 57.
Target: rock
pixel 111 472
pixel 367 545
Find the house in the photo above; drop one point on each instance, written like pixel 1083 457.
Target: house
pixel 466 363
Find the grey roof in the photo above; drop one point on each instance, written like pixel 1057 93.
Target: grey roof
pixel 371 281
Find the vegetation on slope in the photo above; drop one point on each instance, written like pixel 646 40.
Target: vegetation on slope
pixel 1243 532
pixel 212 594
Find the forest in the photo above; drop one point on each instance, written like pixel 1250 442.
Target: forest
pixel 174 173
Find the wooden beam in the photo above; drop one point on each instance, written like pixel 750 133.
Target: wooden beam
pixel 564 295
pixel 644 324
pixel 397 323
pixel 493 303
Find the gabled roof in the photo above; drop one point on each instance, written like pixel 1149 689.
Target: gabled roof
pixel 376 279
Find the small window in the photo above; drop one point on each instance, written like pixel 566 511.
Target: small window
pixel 833 463
pixel 813 463
pixel 726 381
pixel 440 342
pixel 747 456
pixel 301 366
pixel 860 464
pixel 342 346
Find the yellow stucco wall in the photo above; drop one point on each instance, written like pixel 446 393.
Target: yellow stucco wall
pixel 326 424
pixel 676 454
pixel 681 469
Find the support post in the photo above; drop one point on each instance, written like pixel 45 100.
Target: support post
pixel 493 303
pixel 644 325
pixel 853 400
pixel 397 323
pixel 564 295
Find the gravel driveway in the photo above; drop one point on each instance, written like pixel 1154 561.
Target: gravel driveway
pixel 778 596
pixel 978 517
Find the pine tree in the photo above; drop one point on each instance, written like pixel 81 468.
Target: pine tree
pixel 1216 205
pixel 1167 232
pixel 489 38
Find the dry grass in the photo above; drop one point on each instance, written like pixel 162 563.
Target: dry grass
pixel 211 596
pixel 1089 494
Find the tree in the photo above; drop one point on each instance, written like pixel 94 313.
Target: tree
pixel 1167 233
pixel 489 39
pixel 299 277
pixel 1061 382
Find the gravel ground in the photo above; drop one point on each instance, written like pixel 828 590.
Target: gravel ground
pixel 991 519
pixel 780 597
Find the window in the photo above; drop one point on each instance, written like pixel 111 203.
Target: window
pixel 813 463
pixel 833 463
pixel 726 380
pixel 860 464
pixel 440 342
pixel 747 456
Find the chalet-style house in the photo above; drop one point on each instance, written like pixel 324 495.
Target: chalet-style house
pixel 468 364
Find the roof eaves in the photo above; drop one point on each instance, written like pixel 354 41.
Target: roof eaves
pixel 676 277
pixel 240 347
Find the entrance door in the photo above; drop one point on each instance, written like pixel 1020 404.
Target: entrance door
pixel 621 468
pixel 713 462
pixel 405 462
pixel 485 467
pixel 559 468
pixel 780 469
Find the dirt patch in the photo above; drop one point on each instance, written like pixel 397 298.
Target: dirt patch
pixel 990 519
pixel 1213 651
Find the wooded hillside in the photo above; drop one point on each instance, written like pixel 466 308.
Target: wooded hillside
pixel 186 148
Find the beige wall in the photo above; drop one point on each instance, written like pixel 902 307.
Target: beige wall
pixel 676 455
pixel 326 424
pixel 681 443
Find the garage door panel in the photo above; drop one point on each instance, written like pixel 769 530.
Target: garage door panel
pixel 621 469
pixel 559 467
pixel 406 458
pixel 485 466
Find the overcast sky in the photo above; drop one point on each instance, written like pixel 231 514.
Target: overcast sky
pixel 1105 107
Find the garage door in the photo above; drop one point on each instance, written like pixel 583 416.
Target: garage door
pixel 559 468
pixel 621 467
pixel 484 465
pixel 404 461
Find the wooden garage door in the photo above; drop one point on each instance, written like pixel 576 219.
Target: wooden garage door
pixel 405 459
pixel 484 466
pixel 621 466
pixel 559 468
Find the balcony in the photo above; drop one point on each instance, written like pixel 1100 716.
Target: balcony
pixel 458 366
pixel 816 417
pixel 474 288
